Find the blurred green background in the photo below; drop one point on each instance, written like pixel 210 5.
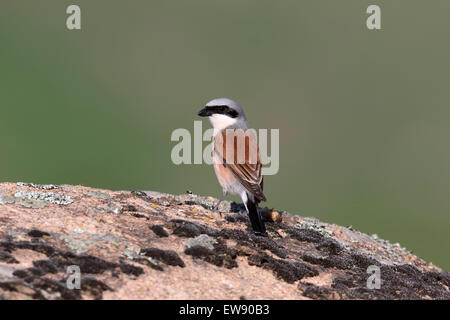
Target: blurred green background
pixel 363 115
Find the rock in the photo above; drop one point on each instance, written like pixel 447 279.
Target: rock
pixel 202 240
pixel 97 194
pixel 151 245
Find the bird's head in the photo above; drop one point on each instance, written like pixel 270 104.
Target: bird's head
pixel 223 113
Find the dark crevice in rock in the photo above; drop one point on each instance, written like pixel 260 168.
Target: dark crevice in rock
pixel 57 262
pixel 286 270
pixel 237 217
pixel 249 239
pixel 319 293
pixel 50 287
pixel 7 257
pixel 305 235
pixel 221 256
pixel 337 262
pixel 188 229
pixel 47 266
pixel 330 246
pixel 10 246
pixel 149 263
pixel 405 281
pixel 168 257
pixel 94 287
pixel 159 231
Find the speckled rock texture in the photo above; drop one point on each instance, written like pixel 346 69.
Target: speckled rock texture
pixel 148 245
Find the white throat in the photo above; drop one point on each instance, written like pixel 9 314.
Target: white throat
pixel 220 121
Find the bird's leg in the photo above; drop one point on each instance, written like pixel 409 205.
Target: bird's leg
pixel 216 207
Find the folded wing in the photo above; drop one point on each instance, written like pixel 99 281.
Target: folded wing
pixel 244 162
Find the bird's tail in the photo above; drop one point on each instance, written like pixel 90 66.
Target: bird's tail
pixel 255 217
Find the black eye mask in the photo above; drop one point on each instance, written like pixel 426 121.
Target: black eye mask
pixel 225 110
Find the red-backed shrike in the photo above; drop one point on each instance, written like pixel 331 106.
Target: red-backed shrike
pixel 236 158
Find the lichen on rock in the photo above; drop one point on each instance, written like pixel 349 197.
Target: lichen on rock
pixel 35 196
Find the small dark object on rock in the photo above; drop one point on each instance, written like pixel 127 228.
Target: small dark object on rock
pixel 138 215
pixel 38 234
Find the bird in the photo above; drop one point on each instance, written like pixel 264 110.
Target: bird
pixel 237 173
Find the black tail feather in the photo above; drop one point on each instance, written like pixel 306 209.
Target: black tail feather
pixel 255 217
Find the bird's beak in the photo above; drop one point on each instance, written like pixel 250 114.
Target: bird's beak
pixel 204 112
